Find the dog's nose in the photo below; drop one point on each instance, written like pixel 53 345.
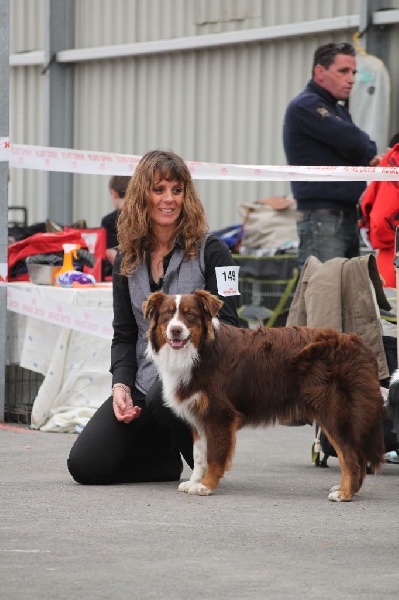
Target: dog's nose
pixel 176 331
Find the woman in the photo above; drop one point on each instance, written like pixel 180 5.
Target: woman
pixel 380 217
pixel 163 244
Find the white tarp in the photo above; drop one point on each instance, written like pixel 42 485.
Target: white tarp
pixel 370 99
pixel 75 364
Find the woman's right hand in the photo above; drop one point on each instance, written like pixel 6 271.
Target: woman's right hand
pixel 123 406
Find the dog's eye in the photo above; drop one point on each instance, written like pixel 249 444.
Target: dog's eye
pixel 167 312
pixel 190 314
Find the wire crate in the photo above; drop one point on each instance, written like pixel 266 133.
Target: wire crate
pixel 267 285
pixel 21 388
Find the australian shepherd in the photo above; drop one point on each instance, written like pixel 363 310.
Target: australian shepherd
pixel 220 378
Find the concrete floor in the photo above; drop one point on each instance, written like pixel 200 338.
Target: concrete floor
pixel 268 532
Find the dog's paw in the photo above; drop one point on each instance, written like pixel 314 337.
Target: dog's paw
pixel 336 496
pixel 200 490
pixel 195 488
pixel 185 486
pixel 335 488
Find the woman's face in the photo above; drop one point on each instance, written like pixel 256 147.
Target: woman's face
pixel 166 201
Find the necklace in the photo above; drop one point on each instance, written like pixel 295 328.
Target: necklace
pixel 156 268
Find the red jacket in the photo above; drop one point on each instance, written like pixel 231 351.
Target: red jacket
pixel 380 208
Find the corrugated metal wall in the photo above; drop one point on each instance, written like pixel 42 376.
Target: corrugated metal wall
pixel 108 22
pixel 221 104
pixel 26 25
pixel 26 103
pixel 393 59
pixel 26 127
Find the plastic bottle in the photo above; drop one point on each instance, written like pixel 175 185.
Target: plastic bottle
pixel 69 255
pixel 67 276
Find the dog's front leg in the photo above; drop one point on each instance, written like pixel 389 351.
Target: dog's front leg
pixel 216 446
pixel 194 486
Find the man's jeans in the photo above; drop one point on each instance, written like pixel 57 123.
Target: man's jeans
pixel 327 233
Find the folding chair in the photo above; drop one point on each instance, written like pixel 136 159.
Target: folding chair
pixel 96 240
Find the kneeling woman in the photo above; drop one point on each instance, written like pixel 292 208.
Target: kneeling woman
pixel 163 244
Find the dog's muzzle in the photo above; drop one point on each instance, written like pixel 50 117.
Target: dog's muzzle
pixel 177 343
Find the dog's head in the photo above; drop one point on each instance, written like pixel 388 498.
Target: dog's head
pixel 179 319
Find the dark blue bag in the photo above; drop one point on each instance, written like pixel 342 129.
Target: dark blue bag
pixel 231 235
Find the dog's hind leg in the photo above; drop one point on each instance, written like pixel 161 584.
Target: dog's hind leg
pixel 353 471
pixel 362 474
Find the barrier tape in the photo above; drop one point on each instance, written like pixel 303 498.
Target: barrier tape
pixel 105 163
pixel 96 321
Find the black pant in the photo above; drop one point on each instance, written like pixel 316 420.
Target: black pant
pixel 147 449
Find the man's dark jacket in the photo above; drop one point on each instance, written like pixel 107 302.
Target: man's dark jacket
pixel 319 131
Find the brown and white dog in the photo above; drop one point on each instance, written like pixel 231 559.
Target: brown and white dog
pixel 221 378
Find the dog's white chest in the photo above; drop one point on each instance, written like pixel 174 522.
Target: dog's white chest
pixel 175 369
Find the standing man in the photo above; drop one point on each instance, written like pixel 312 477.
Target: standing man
pixel 318 130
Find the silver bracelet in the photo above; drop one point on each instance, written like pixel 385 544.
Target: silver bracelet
pixel 123 386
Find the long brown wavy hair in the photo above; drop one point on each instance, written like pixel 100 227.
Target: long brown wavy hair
pixel 135 236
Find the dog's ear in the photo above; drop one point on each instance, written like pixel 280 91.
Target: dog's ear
pixel 211 303
pixel 152 303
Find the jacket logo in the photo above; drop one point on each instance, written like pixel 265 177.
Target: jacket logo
pixel 323 112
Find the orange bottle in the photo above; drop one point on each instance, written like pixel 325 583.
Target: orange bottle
pixel 69 255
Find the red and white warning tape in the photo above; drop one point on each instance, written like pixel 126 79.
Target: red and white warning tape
pixel 106 163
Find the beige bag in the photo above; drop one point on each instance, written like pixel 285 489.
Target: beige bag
pixel 269 223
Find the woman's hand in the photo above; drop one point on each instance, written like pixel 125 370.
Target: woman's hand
pixel 123 406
